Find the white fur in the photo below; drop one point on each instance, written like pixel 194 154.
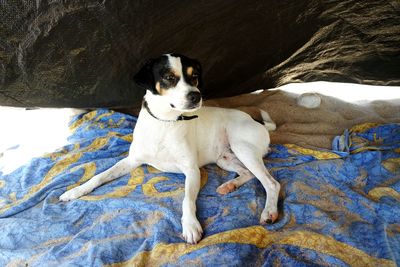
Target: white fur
pixel 230 138
pixel 268 122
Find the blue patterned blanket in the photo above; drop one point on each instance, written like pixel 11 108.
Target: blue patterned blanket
pixel 337 208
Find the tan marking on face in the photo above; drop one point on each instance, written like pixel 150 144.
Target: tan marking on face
pixel 176 73
pixel 189 71
pixel 163 91
pixel 158 87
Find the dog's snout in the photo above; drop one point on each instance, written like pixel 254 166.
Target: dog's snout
pixel 194 97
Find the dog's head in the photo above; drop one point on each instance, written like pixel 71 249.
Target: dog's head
pixel 174 80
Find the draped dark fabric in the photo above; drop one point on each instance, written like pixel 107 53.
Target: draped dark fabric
pixel 84 53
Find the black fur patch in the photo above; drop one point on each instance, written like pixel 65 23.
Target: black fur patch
pixel 157 71
pixel 196 78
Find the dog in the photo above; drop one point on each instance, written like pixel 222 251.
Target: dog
pixel 174 133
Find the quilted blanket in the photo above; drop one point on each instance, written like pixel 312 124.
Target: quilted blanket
pixel 338 207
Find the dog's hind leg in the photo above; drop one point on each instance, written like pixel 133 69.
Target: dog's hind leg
pixel 229 162
pixel 121 168
pixel 251 156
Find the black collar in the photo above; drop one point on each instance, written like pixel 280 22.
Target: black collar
pixel 179 118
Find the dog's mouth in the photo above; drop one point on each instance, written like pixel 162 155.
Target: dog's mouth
pixel 194 107
pixel 189 108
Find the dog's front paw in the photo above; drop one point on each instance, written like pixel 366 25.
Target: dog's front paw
pixel 72 194
pixel 268 216
pixel 191 231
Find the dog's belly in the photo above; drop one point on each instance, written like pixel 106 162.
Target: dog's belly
pixel 211 151
pixel 164 166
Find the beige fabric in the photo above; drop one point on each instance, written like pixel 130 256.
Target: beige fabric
pixel 312 127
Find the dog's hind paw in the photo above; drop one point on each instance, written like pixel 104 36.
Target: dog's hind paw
pixel 226 188
pixel 268 217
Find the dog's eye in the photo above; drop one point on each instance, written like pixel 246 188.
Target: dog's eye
pixel 195 76
pixel 170 78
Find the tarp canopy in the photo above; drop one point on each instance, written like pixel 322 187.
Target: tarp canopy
pixel 84 53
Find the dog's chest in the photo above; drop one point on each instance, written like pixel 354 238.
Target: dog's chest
pixel 163 147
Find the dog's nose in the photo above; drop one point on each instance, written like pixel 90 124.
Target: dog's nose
pixel 194 97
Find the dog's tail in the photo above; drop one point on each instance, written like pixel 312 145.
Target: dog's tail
pixel 268 122
pixel 260 116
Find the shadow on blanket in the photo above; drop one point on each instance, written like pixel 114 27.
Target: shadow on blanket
pixel 338 207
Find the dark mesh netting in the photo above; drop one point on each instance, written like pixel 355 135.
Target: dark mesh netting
pixel 84 53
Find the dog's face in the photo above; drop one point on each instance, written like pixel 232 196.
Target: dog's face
pixel 174 80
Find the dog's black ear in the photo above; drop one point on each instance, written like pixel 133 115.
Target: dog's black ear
pixel 145 77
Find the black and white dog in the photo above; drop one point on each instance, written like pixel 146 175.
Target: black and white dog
pixel 174 134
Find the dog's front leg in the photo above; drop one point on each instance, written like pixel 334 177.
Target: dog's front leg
pixel 121 168
pixel 191 228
